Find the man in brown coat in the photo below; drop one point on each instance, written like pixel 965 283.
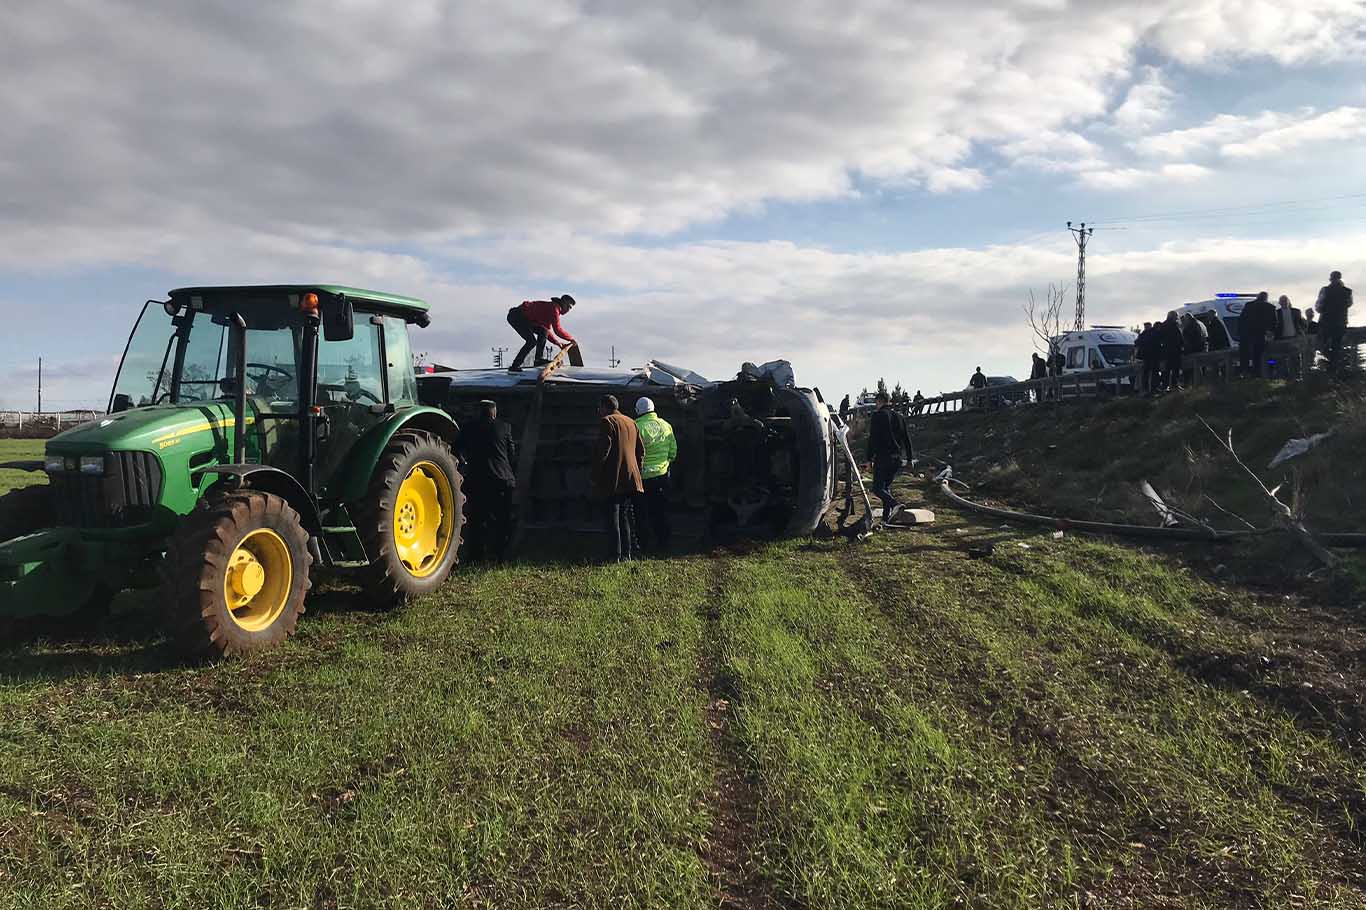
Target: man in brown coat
pixel 616 473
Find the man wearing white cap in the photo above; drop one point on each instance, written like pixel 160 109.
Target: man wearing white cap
pixel 660 451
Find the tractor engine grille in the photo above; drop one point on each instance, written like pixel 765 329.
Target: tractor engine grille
pixel 126 495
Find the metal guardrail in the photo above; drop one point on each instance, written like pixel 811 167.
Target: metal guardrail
pixel 1212 366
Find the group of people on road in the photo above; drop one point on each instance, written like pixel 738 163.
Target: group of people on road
pixel 630 477
pixel 1162 346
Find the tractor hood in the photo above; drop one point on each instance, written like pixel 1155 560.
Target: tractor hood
pixel 152 428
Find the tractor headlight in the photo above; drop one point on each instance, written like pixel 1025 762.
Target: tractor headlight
pixel 54 464
pixel 92 464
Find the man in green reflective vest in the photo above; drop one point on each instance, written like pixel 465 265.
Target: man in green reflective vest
pixel 660 451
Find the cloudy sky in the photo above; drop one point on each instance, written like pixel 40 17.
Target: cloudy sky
pixel 865 188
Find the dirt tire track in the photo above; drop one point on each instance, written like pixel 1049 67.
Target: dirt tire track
pixel 733 800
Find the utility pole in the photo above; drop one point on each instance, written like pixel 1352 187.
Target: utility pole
pixel 40 385
pixel 498 357
pixel 612 360
pixel 1082 234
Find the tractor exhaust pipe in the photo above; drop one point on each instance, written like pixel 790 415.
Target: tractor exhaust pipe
pixel 239 430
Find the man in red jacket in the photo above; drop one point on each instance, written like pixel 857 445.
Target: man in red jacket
pixel 535 321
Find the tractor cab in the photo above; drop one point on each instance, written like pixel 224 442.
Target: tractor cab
pixel 282 422
pixel 186 355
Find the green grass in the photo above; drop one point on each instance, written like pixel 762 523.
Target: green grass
pixel 895 724
pixel 16 450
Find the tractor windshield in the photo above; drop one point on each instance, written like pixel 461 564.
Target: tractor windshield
pixel 185 360
pixel 143 376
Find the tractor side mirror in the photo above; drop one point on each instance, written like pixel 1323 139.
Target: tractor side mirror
pixel 122 402
pixel 339 320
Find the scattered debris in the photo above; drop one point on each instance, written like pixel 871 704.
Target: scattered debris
pixel 906 516
pixel 1281 513
pixel 1169 519
pixel 1294 448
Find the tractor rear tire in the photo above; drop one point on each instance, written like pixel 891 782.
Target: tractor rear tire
pixel 26 510
pixel 411 519
pixel 236 574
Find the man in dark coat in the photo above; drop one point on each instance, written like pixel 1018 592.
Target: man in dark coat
pixel 1148 349
pixel 1257 319
pixel 889 448
pixel 1195 340
pixel 616 473
pixel 489 452
pixel 1335 299
pixel 1038 369
pixel 977 381
pixel 1173 343
pixel 1194 334
pixel 844 408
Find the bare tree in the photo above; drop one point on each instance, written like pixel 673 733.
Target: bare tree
pixel 1045 318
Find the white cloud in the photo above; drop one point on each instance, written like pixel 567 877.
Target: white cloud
pixel 1218 131
pixel 381 142
pixel 1130 177
pixel 1332 127
pixel 1289 32
pixel 948 180
pixel 841 317
pixel 1265 135
pixel 387 125
pixel 1146 104
pixel 1054 151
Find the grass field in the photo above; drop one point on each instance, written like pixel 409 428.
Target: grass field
pixel 1062 723
pixel 15 450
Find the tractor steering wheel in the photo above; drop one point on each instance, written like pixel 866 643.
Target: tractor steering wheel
pixel 352 391
pixel 267 369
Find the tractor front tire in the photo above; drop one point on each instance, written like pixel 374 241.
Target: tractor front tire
pixel 236 573
pixel 411 519
pixel 26 510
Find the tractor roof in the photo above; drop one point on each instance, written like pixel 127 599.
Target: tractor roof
pixel 391 301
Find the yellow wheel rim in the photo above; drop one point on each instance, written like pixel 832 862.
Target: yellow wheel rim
pixel 259 578
pixel 424 512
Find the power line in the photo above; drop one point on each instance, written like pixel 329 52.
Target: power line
pixel 1251 208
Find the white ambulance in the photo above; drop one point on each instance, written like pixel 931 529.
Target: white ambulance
pixel 1098 348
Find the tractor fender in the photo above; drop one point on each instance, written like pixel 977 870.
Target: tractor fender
pixel 353 479
pixel 273 480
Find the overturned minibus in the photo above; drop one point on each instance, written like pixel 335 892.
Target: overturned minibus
pixel 756 454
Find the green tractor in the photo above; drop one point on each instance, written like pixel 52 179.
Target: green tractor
pixel 254 434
